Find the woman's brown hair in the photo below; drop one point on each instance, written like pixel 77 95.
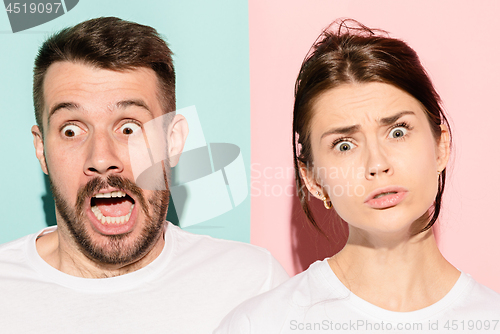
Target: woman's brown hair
pixel 354 53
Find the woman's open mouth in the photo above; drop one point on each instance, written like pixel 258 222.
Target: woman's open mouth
pixel 387 197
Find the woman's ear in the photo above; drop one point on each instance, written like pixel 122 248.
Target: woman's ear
pixel 443 148
pixel 311 182
pixel 39 148
pixel 177 134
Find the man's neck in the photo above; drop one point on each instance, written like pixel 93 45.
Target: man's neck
pixel 64 255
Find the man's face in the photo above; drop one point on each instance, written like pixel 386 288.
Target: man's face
pixel 88 116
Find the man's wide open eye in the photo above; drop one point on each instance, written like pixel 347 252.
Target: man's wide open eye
pixel 71 130
pixel 129 128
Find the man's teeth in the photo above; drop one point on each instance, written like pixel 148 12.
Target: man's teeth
pixel 111 220
pixel 383 194
pixel 111 194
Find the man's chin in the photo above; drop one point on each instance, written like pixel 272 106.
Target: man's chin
pixel 113 241
pixel 117 249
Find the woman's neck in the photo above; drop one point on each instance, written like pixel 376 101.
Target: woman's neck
pixel 404 275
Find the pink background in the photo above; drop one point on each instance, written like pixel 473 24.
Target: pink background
pixel 457 42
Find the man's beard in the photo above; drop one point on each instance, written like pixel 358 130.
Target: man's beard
pixel 117 249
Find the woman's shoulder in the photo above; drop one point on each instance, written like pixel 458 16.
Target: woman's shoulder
pixel 480 299
pixel 299 289
pixel 468 300
pixel 270 309
pixel 311 286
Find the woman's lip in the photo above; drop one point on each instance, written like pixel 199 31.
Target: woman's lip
pixel 389 189
pixel 387 201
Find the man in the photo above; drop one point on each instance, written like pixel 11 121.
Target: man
pixel 112 264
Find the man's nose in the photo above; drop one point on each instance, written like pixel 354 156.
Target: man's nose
pixel 102 155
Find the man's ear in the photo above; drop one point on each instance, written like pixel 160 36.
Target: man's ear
pixel 39 148
pixel 443 148
pixel 311 182
pixel 177 133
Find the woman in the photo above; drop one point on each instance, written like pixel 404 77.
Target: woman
pixel 372 143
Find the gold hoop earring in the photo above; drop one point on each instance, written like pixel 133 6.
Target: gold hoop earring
pixel 328 204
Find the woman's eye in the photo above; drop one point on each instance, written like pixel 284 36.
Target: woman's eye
pixel 344 146
pixel 129 128
pixel 71 130
pixel 398 132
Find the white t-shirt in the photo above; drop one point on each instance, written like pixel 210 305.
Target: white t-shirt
pixel 316 301
pixel 188 288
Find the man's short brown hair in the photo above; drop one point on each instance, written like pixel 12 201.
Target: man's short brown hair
pixel 107 43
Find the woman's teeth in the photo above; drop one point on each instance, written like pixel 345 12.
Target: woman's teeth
pixel 383 194
pixel 111 220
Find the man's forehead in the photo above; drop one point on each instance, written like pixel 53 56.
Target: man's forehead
pixel 64 69
pixel 76 85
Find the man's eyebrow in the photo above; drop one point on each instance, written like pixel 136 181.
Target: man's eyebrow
pixel 138 103
pixel 120 105
pixel 392 119
pixel 347 130
pixel 62 105
pixel 59 106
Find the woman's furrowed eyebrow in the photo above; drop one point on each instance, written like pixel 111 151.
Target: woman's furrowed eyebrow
pixel 342 131
pixel 347 130
pixel 392 119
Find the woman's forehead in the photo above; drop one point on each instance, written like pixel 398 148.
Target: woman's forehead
pixel 353 104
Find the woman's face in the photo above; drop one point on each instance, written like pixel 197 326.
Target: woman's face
pixel 375 156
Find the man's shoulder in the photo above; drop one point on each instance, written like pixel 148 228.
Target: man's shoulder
pixel 230 259
pixel 9 251
pixel 187 242
pixel 15 261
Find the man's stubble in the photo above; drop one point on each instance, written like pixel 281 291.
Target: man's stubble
pixel 117 249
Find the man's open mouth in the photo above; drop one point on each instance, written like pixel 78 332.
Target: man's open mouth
pixel 113 207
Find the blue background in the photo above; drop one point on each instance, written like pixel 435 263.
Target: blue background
pixel 210 43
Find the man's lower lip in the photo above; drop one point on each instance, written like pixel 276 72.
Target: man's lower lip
pixel 386 201
pixel 113 229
